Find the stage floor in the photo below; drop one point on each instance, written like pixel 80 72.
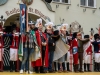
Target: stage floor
pixel 70 73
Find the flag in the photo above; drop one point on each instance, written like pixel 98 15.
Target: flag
pixel 22 18
pixel 99 30
pixel 22 28
pixel 20 50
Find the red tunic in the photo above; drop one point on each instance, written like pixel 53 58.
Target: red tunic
pixel 15 41
pixel 89 50
pixel 75 56
pixel 39 61
pixel 1 51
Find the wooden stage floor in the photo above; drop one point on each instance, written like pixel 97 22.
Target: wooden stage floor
pixel 69 73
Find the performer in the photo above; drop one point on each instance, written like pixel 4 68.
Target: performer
pixel 28 44
pixel 87 54
pixel 14 51
pixel 1 48
pixel 81 42
pixel 75 51
pixel 96 44
pixel 61 61
pixel 43 44
pixel 69 58
pixel 51 44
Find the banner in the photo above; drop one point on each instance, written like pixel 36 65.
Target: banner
pixel 22 18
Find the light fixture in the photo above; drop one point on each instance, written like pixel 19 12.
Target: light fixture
pixel 57 6
pixel 67 7
pixel 77 4
pixel 93 11
pixel 84 10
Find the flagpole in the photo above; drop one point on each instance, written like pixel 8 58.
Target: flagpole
pixel 27 30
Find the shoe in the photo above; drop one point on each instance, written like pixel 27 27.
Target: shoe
pixel 59 71
pixel 81 71
pixel 52 71
pixel 30 72
pixel 85 71
pixel 65 71
pixel 21 71
pixel 69 70
pixel 11 70
pixel 89 70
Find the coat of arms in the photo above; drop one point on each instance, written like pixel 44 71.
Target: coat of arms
pixel 28 2
pixel 2 2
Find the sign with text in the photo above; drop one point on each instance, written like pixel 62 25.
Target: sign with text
pixel 30 10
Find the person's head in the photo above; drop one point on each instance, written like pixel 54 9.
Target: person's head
pixel 39 24
pixel 31 25
pixel 74 35
pixel 86 36
pixel 49 27
pixel 79 36
pixel 96 37
pixel 49 31
pixel 63 28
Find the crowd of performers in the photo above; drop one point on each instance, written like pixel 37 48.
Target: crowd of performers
pixel 51 50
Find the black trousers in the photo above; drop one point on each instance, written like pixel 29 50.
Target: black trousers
pixel 41 68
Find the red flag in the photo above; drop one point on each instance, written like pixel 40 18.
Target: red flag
pixel 99 30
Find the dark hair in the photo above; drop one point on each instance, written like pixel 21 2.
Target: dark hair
pixel 96 36
pixel 86 36
pixel 74 35
pixel 67 33
pixel 45 31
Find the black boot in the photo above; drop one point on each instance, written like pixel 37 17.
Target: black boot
pixel 55 67
pixel 16 66
pixel 68 67
pixel 88 67
pixel 77 68
pixel 74 66
pixel 11 66
pixel 96 67
pixel 64 68
pixel 36 69
pixel 99 67
pixel 85 67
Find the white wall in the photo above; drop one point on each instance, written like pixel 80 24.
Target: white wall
pixel 86 19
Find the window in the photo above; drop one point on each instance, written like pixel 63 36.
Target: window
pixel 56 0
pixel 88 3
pixel 83 2
pixel 65 1
pixel 62 1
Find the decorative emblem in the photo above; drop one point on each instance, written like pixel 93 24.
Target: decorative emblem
pixel 76 27
pixel 28 2
pixel 2 2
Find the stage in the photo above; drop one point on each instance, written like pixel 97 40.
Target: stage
pixel 69 73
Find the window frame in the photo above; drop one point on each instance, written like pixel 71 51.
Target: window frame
pixel 60 1
pixel 86 4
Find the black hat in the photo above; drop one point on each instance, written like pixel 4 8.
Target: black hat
pixel 56 32
pixel 86 36
pixel 96 36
